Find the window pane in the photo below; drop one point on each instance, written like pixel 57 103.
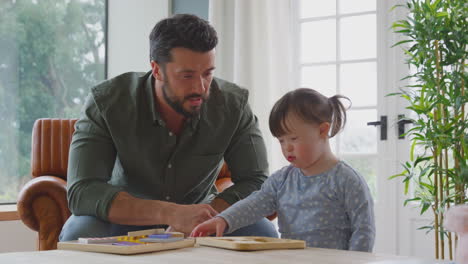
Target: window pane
pixel 320 78
pixel 318 41
pixel 367 167
pixel 317 8
pixel 333 145
pixel 51 54
pixel 358 137
pixel 358 81
pixel 358 37
pixel 352 6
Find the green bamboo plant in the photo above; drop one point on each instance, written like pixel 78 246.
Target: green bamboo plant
pixel 435 43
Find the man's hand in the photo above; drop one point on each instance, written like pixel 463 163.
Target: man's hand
pixel 184 218
pixel 215 225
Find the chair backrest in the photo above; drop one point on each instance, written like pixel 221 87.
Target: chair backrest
pixel 51 138
pixel 50 144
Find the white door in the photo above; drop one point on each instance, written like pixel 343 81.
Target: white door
pixel 408 238
pixel 344 47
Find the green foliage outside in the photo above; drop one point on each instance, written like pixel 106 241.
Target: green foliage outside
pixel 51 53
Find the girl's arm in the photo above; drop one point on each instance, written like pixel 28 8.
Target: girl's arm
pixel 360 208
pixel 251 209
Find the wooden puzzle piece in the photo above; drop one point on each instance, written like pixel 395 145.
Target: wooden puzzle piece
pixel 97 240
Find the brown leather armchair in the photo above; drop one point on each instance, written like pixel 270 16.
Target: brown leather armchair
pixel 42 203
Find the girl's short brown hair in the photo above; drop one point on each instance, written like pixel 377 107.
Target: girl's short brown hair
pixel 310 106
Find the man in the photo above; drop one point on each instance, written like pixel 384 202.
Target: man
pixel 148 147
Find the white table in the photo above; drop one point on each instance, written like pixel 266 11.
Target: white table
pixel 208 255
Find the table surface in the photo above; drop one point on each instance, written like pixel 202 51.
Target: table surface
pixel 207 255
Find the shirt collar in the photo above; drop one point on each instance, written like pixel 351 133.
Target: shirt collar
pixel 149 87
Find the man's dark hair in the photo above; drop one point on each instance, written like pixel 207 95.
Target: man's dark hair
pixel 181 30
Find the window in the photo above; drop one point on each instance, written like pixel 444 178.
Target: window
pixel 51 53
pixel 337 54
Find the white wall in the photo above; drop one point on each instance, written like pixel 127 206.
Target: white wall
pixel 130 23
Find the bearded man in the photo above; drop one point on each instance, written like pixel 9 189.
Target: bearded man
pixel 149 146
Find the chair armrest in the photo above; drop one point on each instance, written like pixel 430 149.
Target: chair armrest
pixel 42 206
pixel 223 183
pixel 272 216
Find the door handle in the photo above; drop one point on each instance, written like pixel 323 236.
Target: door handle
pixel 401 126
pixel 383 126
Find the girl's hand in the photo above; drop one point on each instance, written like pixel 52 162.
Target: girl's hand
pixel 214 225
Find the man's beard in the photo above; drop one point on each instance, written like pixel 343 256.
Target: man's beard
pixel 177 104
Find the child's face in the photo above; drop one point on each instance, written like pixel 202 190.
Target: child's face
pixel 304 144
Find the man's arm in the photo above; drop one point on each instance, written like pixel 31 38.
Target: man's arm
pixel 129 210
pixel 90 164
pixel 246 158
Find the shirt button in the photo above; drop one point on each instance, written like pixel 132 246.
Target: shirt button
pixel 167 198
pixel 169 166
pixel 170 134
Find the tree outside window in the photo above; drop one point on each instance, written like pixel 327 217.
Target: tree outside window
pixel 51 53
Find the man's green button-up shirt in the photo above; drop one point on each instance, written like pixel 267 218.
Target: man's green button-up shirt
pixel 122 144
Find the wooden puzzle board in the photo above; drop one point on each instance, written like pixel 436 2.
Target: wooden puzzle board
pixel 251 243
pixel 129 249
pixel 125 250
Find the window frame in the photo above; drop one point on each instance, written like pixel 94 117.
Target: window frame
pixel 297 21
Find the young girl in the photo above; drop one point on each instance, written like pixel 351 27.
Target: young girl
pixel 319 198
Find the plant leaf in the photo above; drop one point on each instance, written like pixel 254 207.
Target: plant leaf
pixel 425 206
pixel 401 42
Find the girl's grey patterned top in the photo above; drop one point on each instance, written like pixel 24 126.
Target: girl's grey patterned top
pixel 333 209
